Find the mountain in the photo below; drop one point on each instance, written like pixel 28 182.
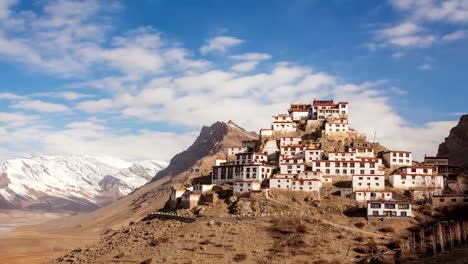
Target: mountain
pixel 211 140
pixel 455 145
pixel 85 228
pixel 75 183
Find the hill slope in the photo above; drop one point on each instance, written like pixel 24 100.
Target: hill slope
pixel 455 145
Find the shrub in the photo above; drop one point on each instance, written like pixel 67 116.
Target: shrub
pixel 359 239
pixel 387 229
pixel 395 244
pixel 240 257
pixel 359 224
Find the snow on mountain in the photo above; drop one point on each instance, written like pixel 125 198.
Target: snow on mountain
pixel 84 179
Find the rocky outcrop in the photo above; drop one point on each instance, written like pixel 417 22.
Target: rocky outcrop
pixel 455 146
pixel 211 140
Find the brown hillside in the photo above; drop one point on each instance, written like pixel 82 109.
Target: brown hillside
pixel 66 233
pixel 455 145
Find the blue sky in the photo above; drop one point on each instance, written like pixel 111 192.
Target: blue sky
pixel 137 79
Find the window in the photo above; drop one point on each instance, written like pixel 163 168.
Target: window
pixel 454 200
pixel 403 206
pixel 390 206
pixel 375 205
pixel 403 214
pixel 375 212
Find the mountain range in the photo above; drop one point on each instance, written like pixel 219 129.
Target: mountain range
pixel 71 183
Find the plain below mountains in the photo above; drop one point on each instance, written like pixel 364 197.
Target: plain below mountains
pixel 70 183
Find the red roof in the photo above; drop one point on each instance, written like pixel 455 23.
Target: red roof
pixel 323 103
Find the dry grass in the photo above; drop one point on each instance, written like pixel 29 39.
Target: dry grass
pixel 240 257
pixel 359 224
pixel 387 229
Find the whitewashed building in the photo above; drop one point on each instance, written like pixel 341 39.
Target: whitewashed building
pixel 368 182
pixel 346 168
pixel 306 185
pixel 311 154
pixel 287 141
pixel 251 145
pixel 342 156
pixel 336 126
pixel 266 132
pixel 284 127
pixel 189 199
pixel 396 158
pixel 310 175
pixel 246 167
pixel 292 168
pixel 202 188
pixel 242 187
pixel 299 111
pixel 362 151
pixel 322 109
pixel 231 172
pixel 281 182
pixel 220 161
pixel 423 178
pixel 364 196
pixel 293 151
pixel 389 209
pixel 281 118
pixel 250 158
pixel 236 150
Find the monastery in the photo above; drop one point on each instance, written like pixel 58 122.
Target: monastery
pixel 286 157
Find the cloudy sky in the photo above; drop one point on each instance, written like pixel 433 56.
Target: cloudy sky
pixel 138 79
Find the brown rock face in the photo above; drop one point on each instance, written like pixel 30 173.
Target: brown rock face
pixel 211 140
pixel 456 144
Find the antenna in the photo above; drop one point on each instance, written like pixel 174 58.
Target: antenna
pixel 375 133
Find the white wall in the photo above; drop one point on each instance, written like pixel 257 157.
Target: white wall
pixel 306 185
pixel 397 159
pixel 381 212
pixel 280 183
pixel 362 196
pixel 338 168
pixel 368 182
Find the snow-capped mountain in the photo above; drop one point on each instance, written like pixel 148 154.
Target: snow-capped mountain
pixel 70 182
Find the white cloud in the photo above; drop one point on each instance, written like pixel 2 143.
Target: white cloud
pixel 400 30
pixel 252 56
pixel 425 67
pixel 244 66
pixel 220 44
pixel 454 36
pixel 9 96
pixel 5 8
pixel 145 77
pixel 451 11
pixel 70 96
pixel 411 33
pixel 40 106
pixel 93 106
pixel 405 35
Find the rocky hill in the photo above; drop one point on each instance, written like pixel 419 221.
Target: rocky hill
pixel 72 183
pixel 211 140
pixel 455 145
